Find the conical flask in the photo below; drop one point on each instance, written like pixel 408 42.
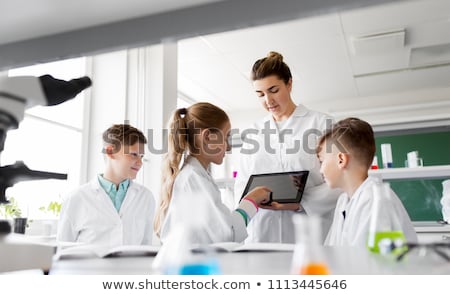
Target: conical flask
pixel 308 258
pixel 385 231
pixel 184 251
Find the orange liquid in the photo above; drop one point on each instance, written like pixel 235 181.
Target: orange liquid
pixel 314 269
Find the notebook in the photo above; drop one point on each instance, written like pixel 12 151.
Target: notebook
pixel 92 251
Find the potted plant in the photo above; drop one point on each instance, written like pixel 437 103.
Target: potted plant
pixel 11 209
pixel 51 211
pixel 13 212
pixel 53 208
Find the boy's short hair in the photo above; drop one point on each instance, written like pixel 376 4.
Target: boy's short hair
pixel 353 136
pixel 122 134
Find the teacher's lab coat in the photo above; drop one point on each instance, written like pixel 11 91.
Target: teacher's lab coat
pixel 353 230
pixel 290 149
pixel 196 206
pixel 89 216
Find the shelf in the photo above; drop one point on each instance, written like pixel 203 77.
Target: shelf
pixel 430 227
pixel 426 172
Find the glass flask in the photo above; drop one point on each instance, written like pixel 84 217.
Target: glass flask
pixel 178 256
pixel 181 253
pixel 385 232
pixel 308 257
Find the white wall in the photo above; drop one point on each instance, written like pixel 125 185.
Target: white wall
pixel 107 106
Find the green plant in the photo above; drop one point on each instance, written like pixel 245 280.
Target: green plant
pixel 10 210
pixel 54 208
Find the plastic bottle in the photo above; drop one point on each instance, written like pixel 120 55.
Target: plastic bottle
pixel 385 232
pixel 308 258
pixel 374 163
pixel 386 155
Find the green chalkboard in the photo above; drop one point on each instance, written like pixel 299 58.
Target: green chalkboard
pixel 421 198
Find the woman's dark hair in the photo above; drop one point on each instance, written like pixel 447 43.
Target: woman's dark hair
pixel 273 64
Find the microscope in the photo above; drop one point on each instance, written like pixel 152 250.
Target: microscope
pixel 17 94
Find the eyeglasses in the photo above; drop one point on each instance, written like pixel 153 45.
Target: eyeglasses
pixel 441 249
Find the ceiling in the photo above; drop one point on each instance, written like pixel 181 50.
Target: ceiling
pixel 388 63
pixel 30 19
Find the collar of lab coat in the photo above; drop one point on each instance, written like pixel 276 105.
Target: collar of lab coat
pixel 300 111
pixel 197 166
pixel 95 184
pixel 361 188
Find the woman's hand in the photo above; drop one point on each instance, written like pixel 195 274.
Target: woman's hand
pixel 261 195
pixel 281 206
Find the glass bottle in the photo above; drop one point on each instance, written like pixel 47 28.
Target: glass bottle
pixel 308 257
pixel 385 232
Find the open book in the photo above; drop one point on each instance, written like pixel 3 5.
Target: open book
pixel 92 251
pixel 241 247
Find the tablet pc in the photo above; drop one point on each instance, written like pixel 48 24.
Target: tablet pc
pixel 287 187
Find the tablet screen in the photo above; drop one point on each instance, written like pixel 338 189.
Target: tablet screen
pixel 287 187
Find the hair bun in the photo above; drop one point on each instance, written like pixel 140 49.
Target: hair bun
pixel 275 55
pixel 183 111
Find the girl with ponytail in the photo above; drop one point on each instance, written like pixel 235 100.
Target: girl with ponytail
pixel 198 136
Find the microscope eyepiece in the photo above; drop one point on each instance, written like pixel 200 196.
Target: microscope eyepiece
pixel 58 91
pixel 83 82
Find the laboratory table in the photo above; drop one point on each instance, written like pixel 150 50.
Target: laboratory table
pixel 340 260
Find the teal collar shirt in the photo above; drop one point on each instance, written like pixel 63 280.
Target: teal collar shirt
pixel 117 195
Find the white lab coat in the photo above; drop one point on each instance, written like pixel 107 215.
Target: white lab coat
pixel 354 229
pixel 445 200
pixel 196 205
pixel 295 150
pixel 89 216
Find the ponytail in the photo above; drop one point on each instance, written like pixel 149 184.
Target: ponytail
pixel 177 148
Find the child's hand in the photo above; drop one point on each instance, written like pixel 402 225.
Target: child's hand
pixel 260 194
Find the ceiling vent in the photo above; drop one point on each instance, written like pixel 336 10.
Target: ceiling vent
pixel 378 43
pixel 430 55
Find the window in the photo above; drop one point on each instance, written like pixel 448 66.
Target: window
pixel 48 139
